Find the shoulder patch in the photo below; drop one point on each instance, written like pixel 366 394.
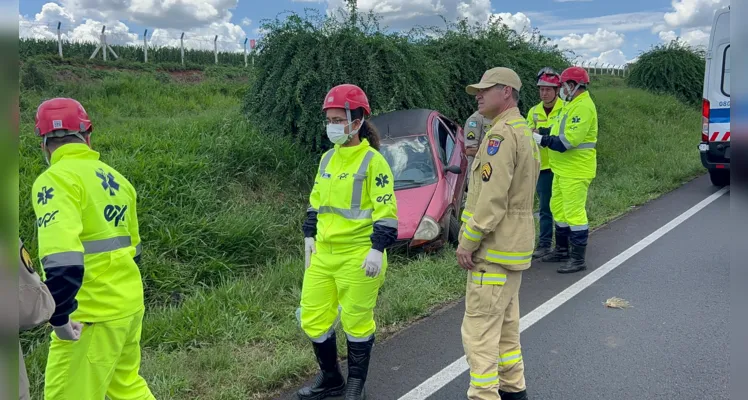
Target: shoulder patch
pixel 486 172
pixel 26 260
pixel 493 145
pixel 471 135
pixel 473 124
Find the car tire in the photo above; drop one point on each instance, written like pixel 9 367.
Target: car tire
pixel 454 229
pixel 719 177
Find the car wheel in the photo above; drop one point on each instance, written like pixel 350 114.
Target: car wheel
pixel 454 229
pixel 719 177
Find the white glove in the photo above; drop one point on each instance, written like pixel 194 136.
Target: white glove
pixel 70 331
pixel 538 137
pixel 373 263
pixel 309 249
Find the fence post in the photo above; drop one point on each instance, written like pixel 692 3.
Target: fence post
pixel 245 52
pixel 181 40
pixel 103 40
pixel 59 38
pixel 145 45
pixel 215 48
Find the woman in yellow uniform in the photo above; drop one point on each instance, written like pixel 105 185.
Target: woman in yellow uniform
pixel 352 218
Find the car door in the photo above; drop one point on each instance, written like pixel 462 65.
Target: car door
pixel 451 156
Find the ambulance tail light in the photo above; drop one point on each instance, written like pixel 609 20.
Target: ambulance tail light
pixel 427 231
pixel 705 120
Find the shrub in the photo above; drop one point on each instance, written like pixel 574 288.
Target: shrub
pixel 301 58
pixel 674 68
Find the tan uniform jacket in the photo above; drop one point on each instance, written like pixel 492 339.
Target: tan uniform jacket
pixel 475 129
pixel 35 307
pixel 498 223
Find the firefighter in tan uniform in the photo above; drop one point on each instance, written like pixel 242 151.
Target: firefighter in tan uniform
pixel 35 307
pixel 497 240
pixel 475 130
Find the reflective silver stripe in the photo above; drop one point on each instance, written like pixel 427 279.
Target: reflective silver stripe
pixel 589 145
pixel 562 224
pixel 138 249
pixel 104 245
pixel 324 337
pixel 312 209
pixel 346 213
pixel 358 181
pixel 518 124
pixel 325 161
pixel 565 141
pixel 355 339
pixel 388 222
pixel 577 228
pixel 62 259
pixel 506 257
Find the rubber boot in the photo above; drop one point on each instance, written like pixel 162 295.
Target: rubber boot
pixel 359 354
pixel 561 252
pixel 329 381
pixel 513 396
pixel 577 261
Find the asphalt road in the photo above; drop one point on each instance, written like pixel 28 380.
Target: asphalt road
pixel 672 343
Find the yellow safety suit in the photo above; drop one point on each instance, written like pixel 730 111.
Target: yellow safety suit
pixel 89 246
pixel 500 231
pixel 537 119
pixel 574 163
pixel 352 210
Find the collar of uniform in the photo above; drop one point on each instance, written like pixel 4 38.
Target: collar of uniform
pixel 583 96
pixel 352 150
pixel 514 111
pixel 73 150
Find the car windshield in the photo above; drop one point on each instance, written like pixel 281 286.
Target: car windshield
pixel 411 160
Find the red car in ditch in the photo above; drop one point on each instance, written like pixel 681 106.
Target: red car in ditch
pixel 425 151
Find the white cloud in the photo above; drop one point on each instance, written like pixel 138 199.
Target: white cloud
pixel 668 36
pixel 697 37
pixel 550 25
pixel 246 22
pixel 519 22
pixel 81 23
pixel 614 57
pixel 600 41
pixel 693 13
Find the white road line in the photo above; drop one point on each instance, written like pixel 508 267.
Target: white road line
pixel 452 371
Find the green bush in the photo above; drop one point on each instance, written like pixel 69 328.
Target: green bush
pixel 674 68
pixel 301 58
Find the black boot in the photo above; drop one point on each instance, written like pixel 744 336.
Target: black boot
pixel 561 252
pixel 329 382
pixel 541 250
pixel 513 396
pixel 359 354
pixel 576 263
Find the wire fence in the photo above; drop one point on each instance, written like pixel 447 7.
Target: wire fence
pixel 115 42
pixel 601 68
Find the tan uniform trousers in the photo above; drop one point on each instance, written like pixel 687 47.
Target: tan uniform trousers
pixel 490 331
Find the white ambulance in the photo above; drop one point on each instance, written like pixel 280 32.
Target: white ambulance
pixel 715 130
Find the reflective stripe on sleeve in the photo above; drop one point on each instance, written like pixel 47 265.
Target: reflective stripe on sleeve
pixel 466 216
pixel 63 259
pixel 485 278
pixel 507 257
pixel 565 141
pixel 138 249
pixel 388 222
pixel 471 234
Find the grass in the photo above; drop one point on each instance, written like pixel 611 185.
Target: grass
pixel 220 212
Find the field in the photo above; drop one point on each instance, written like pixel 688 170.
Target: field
pixel 221 205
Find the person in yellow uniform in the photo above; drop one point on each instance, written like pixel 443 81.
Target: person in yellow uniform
pixel 35 305
pixel 540 118
pixel 475 129
pixel 352 218
pixel 89 247
pixel 573 158
pixel 496 243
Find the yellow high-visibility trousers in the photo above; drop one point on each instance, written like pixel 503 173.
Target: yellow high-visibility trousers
pixel 104 362
pixel 490 331
pixel 569 202
pixel 335 279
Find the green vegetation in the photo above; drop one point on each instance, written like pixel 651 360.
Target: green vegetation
pixel 221 200
pixel 673 68
pixel 302 58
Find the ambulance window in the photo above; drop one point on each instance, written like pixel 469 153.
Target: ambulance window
pixel 726 72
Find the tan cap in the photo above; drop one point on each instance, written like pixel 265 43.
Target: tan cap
pixel 493 76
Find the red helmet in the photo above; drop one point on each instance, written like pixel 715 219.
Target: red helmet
pixel 576 74
pixel 548 77
pixel 61 114
pixel 347 96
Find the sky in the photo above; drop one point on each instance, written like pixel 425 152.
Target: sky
pixel 604 31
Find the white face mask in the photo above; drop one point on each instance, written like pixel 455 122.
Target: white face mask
pixel 336 133
pixel 566 94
